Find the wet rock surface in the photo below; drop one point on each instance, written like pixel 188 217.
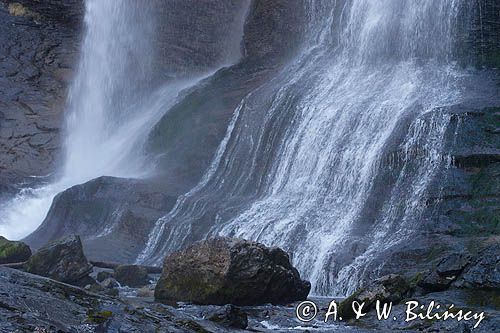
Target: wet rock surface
pixel 62 260
pixel 230 271
pixel 29 303
pixel 13 252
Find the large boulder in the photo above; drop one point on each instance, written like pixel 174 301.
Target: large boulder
pixel 13 252
pixel 62 260
pixel 230 271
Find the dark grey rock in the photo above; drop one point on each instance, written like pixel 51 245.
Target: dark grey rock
pixel 230 271
pixel 13 252
pixel 453 264
pixel 435 282
pixel 62 260
pixel 132 275
pixel 484 271
pixel 39 41
pixel 230 316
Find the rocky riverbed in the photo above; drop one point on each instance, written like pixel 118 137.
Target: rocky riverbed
pixel 249 287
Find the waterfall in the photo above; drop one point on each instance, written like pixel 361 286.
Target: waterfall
pixel 303 160
pixel 117 96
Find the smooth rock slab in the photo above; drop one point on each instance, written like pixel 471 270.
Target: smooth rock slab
pixel 230 271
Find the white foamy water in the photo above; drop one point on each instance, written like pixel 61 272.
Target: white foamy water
pixel 298 170
pixel 112 106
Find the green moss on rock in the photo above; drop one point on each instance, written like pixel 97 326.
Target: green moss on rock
pixel 99 317
pixel 12 252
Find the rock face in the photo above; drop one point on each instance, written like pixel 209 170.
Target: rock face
pixel 62 260
pixel 38 49
pixel 13 252
pixel 230 271
pixel 131 275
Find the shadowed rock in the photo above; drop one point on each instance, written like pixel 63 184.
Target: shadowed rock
pixel 62 260
pixel 230 271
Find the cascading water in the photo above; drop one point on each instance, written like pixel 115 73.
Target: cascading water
pixel 302 157
pixel 113 103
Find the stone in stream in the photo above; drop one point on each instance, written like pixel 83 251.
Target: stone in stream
pixel 132 275
pixel 13 252
pixel 62 260
pixel 230 271
pixel 230 316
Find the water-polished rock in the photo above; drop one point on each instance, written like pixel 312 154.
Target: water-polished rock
pixel 13 252
pixel 62 260
pixel 230 271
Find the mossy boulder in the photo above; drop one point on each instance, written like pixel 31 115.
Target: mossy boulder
pixel 62 260
pixel 13 252
pixel 230 271
pixel 389 288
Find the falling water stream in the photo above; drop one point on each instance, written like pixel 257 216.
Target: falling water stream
pixel 301 163
pixel 113 103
